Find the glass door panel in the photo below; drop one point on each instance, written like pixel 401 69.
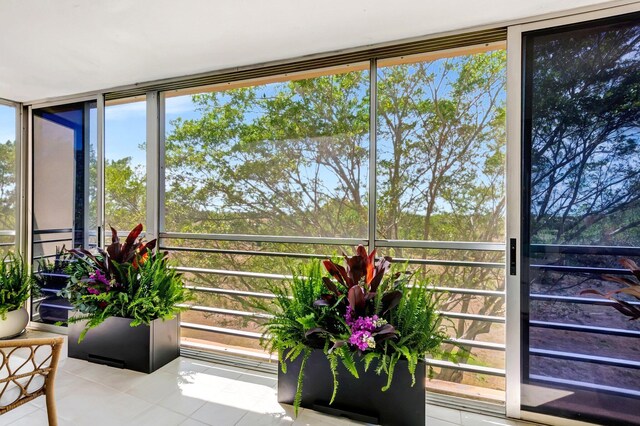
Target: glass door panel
pixel 581 224
pixel 64 197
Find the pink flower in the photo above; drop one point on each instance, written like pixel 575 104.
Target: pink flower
pixel 93 290
pixel 363 340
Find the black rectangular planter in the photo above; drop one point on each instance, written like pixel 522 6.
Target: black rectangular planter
pixel 359 399
pixel 144 348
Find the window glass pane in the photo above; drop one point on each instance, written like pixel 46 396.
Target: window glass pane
pixel 581 208
pixel 7 178
pixel 441 148
pixel 283 158
pixel 441 177
pixel 125 168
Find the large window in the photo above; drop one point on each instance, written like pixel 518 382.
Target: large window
pixel 285 158
pixel 440 177
pixel 125 173
pixel 261 176
pixel 7 177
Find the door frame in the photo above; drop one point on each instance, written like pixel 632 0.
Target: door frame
pixel 27 166
pixel 514 214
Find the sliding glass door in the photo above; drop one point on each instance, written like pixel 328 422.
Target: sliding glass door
pixel 580 301
pixel 64 204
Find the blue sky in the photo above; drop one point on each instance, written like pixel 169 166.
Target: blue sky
pixel 125 126
pixel 7 123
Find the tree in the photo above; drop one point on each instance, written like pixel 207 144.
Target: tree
pixel 292 159
pixel 585 173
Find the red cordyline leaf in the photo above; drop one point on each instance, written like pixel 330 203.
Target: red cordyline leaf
pixel 357 266
pixel 356 298
pixel 336 271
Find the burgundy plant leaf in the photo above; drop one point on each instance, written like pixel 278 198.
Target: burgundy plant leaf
pixel 330 285
pixel 356 298
pixel 632 291
pixel 337 344
pixel 131 238
pixel 150 245
pixel 632 266
pixel 390 300
pixel 385 329
pixel 336 271
pixel 315 330
pixel 114 235
pixel 321 302
pixel 370 295
pixel 381 268
pixel 592 291
pixel 357 265
pixel 621 280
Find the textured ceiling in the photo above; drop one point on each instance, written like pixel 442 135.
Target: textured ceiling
pixel 51 48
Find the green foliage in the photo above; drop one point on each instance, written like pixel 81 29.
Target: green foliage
pixel 15 284
pixel 311 312
pixel 143 287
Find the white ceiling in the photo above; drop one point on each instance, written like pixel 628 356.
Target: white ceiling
pixel 51 48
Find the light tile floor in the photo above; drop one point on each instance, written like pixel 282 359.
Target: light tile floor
pixel 186 392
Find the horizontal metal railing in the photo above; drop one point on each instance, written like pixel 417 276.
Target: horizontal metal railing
pixel 593 359
pixel 584 328
pixel 437 245
pixel 469 368
pixel 582 249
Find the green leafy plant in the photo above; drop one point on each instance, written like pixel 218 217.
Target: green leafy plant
pixel 357 312
pixel 53 274
pixel 127 280
pixel 16 284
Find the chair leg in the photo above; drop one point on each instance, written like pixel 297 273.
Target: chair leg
pixel 52 413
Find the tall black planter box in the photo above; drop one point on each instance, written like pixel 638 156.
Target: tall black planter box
pixel 359 399
pixel 144 348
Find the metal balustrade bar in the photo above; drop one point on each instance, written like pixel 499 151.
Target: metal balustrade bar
pixel 221 330
pixel 593 359
pixel 263 238
pixel 585 385
pixel 500 372
pixel 477 344
pixel 7 244
pixel 434 262
pixel 460 263
pixel 582 249
pixel 245 252
pixel 585 328
pixel 582 269
pixel 575 300
pixel 238 293
pixel 474 292
pixel 231 312
pixel 234 273
pixel 52 231
pixel 472 317
pixel 59 240
pixel 442 245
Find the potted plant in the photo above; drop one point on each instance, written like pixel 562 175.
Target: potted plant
pixel 16 285
pixel 344 338
pixel 126 305
pixel 51 277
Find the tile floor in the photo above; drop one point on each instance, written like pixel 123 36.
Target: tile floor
pixel 185 392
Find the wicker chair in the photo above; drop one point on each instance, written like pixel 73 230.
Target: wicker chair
pixel 27 371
